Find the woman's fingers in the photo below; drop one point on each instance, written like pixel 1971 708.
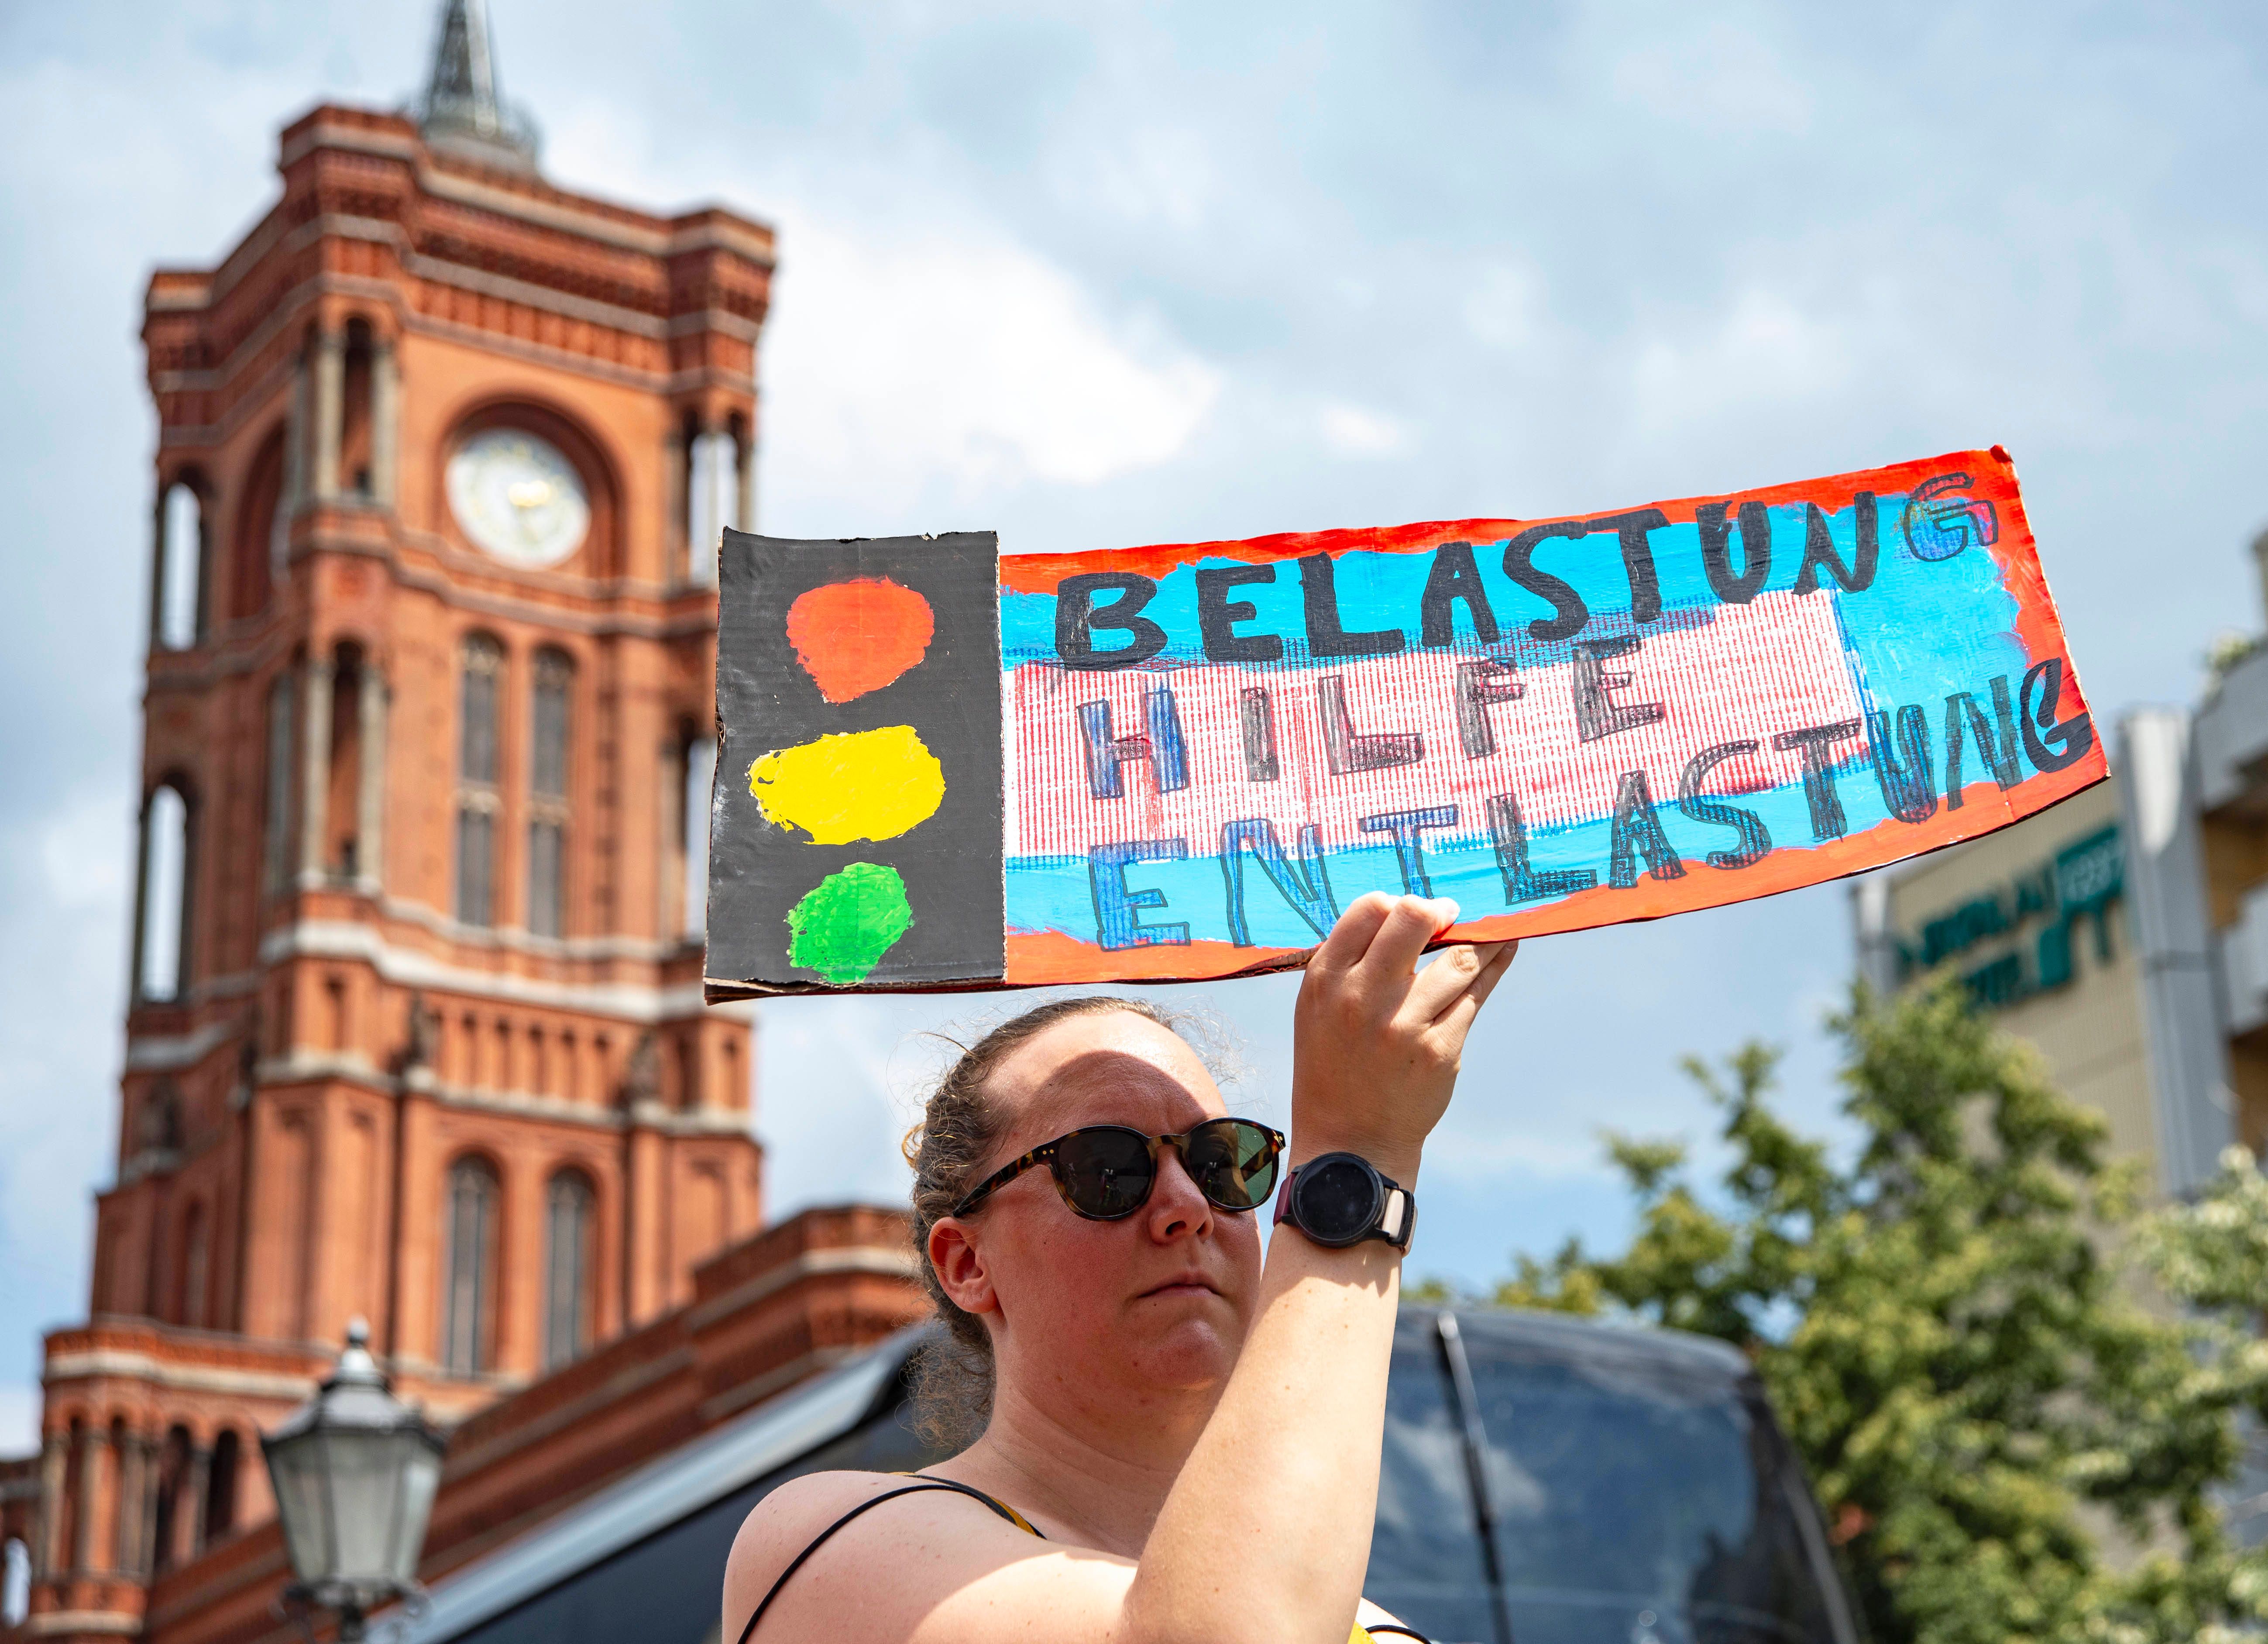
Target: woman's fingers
pixel 1393 952
pixel 1492 973
pixel 1351 937
pixel 1456 1019
pixel 1454 970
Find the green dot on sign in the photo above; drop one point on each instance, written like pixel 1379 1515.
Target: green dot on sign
pixel 848 921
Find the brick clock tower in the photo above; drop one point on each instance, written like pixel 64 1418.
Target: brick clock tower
pixel 415 1031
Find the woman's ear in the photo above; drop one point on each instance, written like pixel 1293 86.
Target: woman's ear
pixel 961 1268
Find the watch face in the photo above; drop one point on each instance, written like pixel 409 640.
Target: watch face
pixel 1337 1198
pixel 518 498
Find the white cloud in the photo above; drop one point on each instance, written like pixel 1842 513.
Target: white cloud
pixel 1505 308
pixel 1717 78
pixel 1762 349
pixel 897 371
pixel 1153 178
pixel 1353 432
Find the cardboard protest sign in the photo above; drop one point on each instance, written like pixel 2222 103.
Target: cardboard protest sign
pixel 940 766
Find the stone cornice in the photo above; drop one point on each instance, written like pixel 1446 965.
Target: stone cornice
pixel 889 1263
pixel 554 216
pixel 637 1003
pixel 126 1365
pixel 49 1622
pixel 255 644
pixel 532 200
pixel 398 300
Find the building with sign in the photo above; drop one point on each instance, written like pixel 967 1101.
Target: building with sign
pixel 2037 921
pixel 2126 932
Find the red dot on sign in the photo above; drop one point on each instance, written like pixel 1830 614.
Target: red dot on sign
pixel 856 637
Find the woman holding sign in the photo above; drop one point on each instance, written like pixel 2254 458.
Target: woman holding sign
pixel 1183 1441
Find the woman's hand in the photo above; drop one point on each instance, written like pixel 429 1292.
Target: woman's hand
pixel 1376 1042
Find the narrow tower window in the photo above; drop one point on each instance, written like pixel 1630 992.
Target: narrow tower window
pixel 547 808
pixel 699 777
pixel 220 1486
pixel 712 499
pixel 466 1338
pixel 567 1274
pixel 476 781
pixel 162 944
pixel 173 1478
pixel 354 413
pixel 181 569
pixel 343 783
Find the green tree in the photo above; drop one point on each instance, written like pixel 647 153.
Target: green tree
pixel 1950 1347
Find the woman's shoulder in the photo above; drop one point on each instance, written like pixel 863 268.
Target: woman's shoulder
pixel 802 1512
pixel 802 1508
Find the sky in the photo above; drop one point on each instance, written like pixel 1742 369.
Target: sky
pixel 1095 275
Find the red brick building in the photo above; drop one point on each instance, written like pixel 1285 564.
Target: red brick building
pixel 415 1031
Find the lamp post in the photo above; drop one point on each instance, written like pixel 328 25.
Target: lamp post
pixel 355 1470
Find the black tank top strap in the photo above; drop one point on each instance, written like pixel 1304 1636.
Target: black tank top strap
pixel 927 1484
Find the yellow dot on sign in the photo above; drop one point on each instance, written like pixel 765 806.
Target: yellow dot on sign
pixel 855 784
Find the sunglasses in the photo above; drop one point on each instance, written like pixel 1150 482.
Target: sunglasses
pixel 1105 1172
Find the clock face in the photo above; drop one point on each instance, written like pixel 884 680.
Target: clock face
pixel 518 498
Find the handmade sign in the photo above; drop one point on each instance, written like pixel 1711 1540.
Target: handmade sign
pixel 944 767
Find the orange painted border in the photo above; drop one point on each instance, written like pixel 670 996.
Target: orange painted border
pixel 1992 473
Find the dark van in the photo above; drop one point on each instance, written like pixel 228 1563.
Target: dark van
pixel 1547 1480
pixel 1550 1480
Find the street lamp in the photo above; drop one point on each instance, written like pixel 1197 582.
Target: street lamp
pixel 354 1471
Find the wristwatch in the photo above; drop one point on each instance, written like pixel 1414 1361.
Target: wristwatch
pixel 1340 1198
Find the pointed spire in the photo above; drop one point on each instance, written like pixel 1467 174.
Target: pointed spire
pixel 462 111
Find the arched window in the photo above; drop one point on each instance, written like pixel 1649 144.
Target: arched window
pixel 15 1583
pixel 220 1486
pixel 173 1477
pixel 64 1526
pixel 161 945
pixel 568 1266
pixel 342 805
pixel 467 1297
pixel 715 488
pixel 547 795
pixel 477 801
pixel 116 1545
pixel 355 412
pixel 181 570
pixel 685 894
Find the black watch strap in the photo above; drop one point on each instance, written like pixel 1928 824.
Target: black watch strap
pixel 1393 1210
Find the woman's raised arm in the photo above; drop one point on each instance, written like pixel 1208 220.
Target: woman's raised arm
pixel 1281 1491
pixel 1265 1533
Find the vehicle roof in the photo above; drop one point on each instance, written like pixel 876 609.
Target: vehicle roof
pixel 1571 1338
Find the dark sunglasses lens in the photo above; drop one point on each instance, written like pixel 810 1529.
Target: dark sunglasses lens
pixel 1234 1163
pixel 1105 1173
